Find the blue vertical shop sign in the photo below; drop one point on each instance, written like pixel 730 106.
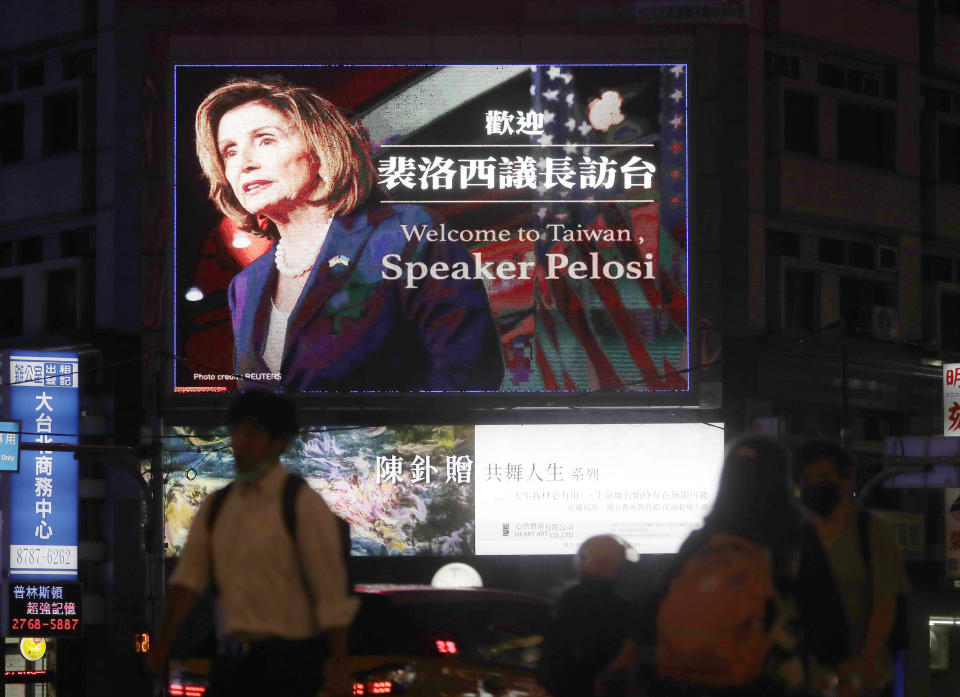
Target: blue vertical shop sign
pixel 42 512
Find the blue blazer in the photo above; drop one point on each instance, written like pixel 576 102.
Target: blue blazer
pixel 352 330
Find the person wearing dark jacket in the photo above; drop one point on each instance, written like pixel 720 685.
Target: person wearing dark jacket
pixel 590 621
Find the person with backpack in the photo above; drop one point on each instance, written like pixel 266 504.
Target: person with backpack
pixel 748 605
pixel 865 557
pixel 273 550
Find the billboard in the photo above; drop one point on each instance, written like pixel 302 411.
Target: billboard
pixel 486 489
pixel 45 609
pixel 43 505
pixel 432 228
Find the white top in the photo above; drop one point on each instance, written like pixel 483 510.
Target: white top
pixel 276 336
pixel 260 588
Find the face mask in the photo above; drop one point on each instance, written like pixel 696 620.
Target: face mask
pixel 254 473
pixel 820 498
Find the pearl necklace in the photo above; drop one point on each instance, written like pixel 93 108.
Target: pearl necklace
pixel 280 255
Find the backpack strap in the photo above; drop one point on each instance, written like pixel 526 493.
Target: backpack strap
pixel 291 487
pixel 866 553
pixel 216 504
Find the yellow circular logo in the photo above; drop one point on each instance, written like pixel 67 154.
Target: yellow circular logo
pixel 33 649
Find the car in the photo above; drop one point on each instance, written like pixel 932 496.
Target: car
pixel 421 641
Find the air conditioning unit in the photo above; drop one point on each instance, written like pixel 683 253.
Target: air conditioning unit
pixel 886 259
pixel 884 323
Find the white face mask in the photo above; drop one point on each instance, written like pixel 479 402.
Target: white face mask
pixel 254 473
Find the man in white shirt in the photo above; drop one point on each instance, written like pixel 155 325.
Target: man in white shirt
pixel 283 601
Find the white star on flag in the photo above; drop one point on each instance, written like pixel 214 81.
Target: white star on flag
pixel 569 149
pixel 567 77
pixel 533 90
pixel 677 70
pixel 570 123
pixel 569 98
pixel 542 212
pixel 676 121
pixel 584 128
pixel 554 72
pixel 548 117
pixel 676 95
pixel 551 95
pixel 545 139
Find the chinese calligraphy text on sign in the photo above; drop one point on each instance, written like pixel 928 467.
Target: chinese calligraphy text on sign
pixel 42 512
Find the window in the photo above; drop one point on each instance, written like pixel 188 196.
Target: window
pixel 78 63
pixel 858 297
pixel 934 268
pixel 61 308
pixel 861 255
pixel 949 327
pixel 11 133
pixel 949 152
pixel 950 7
pixel 61 118
pixel 865 135
pixel 76 243
pixel 831 251
pixel 11 319
pixel 801 122
pixel 801 300
pixel 830 75
pixel 780 65
pixel 937 99
pixel 31 74
pixel 30 250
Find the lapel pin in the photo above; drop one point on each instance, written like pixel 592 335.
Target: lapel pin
pixel 338 260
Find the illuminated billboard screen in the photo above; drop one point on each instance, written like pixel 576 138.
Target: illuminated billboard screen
pixel 442 228
pixel 479 490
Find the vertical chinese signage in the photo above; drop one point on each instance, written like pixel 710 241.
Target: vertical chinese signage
pixel 951 399
pixel 951 519
pixel 42 511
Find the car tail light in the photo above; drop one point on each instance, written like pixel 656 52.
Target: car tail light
pixel 446 646
pixel 179 690
pixel 176 690
pixel 388 679
pixel 376 687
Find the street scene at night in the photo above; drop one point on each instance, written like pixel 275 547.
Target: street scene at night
pixel 515 349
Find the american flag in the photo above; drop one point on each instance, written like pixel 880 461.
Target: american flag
pixel 600 333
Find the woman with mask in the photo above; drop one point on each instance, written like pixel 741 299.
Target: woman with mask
pixel 863 553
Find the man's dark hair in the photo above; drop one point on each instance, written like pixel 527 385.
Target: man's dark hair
pixel 272 412
pixel 815 450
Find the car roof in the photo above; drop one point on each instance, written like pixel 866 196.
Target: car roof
pixel 413 593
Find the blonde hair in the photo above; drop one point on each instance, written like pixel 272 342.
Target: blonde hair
pixel 341 146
